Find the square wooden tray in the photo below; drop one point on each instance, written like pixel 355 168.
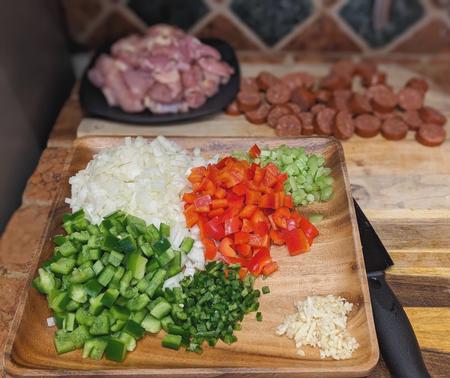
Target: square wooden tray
pixel 334 265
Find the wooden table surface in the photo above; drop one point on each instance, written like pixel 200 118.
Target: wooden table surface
pixel 403 187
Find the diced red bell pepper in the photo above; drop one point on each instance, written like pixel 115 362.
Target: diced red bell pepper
pixel 247 211
pixel 267 201
pixel 217 203
pixel 269 268
pixel 261 228
pixel 209 187
pixel 277 237
pixel 235 201
pixel 309 229
pixel 288 201
pixel 244 250
pixel 216 212
pixel 259 175
pixel 259 260
pixel 259 241
pixel 220 193
pixel 191 216
pixel 280 217
pixel 272 168
pixel 240 189
pixel 243 272
pixel 210 249
pixel 296 241
pixel 282 177
pixel 291 224
pixel 258 216
pixel 202 202
pixel 241 237
pixel 232 225
pixel 226 247
pixel 254 151
pixel 188 197
pixel 214 229
pixel 252 197
pixel 269 179
pixel 246 226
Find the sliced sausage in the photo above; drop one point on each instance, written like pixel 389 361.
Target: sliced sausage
pixel 266 79
pixel 233 109
pixel 418 84
pixel 377 77
pixel 385 116
pixel 258 116
pixel 432 115
pixel 295 109
pixel 394 128
pixel 307 119
pixel 334 82
pixel 410 99
pixel 343 127
pixel 359 104
pixel 317 108
pixel 431 135
pixel 344 68
pixel 298 79
pixel 248 84
pixel 278 94
pixel 383 98
pixel 248 101
pixel 323 96
pixel 367 126
pixel 365 70
pixel 323 121
pixel 341 99
pixel 303 97
pixel 412 119
pixel 276 113
pixel 289 125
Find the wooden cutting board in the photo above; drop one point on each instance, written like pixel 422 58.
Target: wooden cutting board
pixel 333 266
pixel 223 125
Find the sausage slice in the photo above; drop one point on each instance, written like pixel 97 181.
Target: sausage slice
pixel 307 119
pixel 233 109
pixel 432 115
pixel 340 99
pixel 324 121
pixel 248 84
pixel 431 135
pixel 410 99
pixel 359 104
pixel 248 100
pixel 343 125
pixel 258 116
pixel 303 98
pixel 276 113
pixel 278 94
pixel 394 129
pixel 266 79
pixel 289 125
pixel 418 84
pixel 412 119
pixel 323 96
pixel 383 98
pixel 367 126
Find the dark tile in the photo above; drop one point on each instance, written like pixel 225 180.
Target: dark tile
pixel 271 20
pixel 379 30
pixel 176 12
pixel 434 37
pixel 324 34
pixel 222 27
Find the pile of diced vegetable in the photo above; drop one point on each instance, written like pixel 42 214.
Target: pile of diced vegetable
pixel 105 286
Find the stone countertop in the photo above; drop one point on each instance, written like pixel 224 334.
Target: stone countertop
pixel 420 278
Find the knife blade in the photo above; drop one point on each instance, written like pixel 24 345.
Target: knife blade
pixel 398 343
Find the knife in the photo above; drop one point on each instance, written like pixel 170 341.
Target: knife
pixel 398 343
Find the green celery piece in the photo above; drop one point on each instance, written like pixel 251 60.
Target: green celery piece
pixel 161 310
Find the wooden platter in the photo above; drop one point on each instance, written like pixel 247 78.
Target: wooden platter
pixel 334 266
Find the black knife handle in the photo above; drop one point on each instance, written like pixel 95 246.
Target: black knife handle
pixel 398 343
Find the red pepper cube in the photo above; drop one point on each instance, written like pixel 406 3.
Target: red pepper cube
pixel 232 225
pixel 296 241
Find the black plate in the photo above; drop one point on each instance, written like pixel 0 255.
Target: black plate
pixel 94 103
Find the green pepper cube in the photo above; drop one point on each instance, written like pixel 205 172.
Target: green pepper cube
pixel 134 329
pixel 165 322
pixel 265 290
pixel 161 310
pixel 69 322
pixel 161 245
pixel 59 301
pixel 116 350
pixel 63 265
pixel 136 263
pixel 165 257
pixel 100 325
pixel 83 317
pixel 94 348
pixel 147 249
pixel 93 288
pixel 152 233
pixel 138 316
pixel 164 230
pixel 126 244
pixel 151 324
pixel 115 258
pixel 98 267
pixel 67 249
pixel 109 297
pixel 47 281
pixel 95 305
pixel 171 341
pixel 64 343
pixel 80 335
pixel 110 242
pixel 138 303
pixel 106 275
pixel 78 293
pixel 120 312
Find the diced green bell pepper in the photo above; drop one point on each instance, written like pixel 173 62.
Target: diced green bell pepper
pixel 94 348
pixel 134 329
pixel 100 325
pixel 116 350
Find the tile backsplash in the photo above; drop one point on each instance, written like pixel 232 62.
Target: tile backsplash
pixel 368 26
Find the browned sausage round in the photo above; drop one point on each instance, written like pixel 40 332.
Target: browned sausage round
pixel 233 109
pixel 418 84
pixel 266 79
pixel 359 104
pixel 383 98
pixel 410 99
pixel 248 84
pixel 289 125
pixel 307 119
pixel 248 101
pixel 377 77
pixel 432 115
pixel 323 96
pixel 340 100
pixel 343 127
pixel 344 68
pixel 275 113
pixel 412 119
pixel 278 94
pixel 384 116
pixel 298 79
pixel 295 109
pixel 431 135
pixel 334 82
pixel 303 98
pixel 367 125
pixel 365 70
pixel 317 108
pixel 394 129
pixel 323 121
pixel 258 116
